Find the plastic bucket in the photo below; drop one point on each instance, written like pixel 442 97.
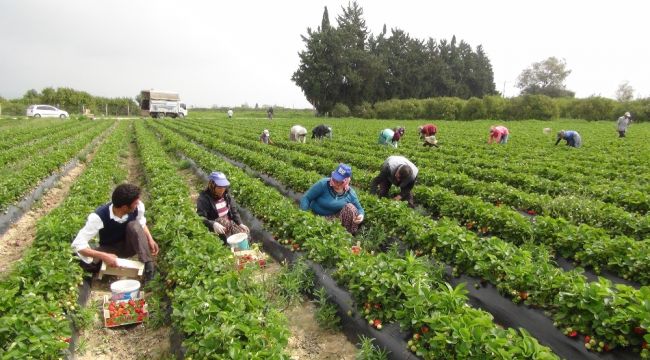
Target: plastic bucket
pixel 125 289
pixel 238 241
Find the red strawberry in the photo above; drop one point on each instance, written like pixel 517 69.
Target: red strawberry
pixel 587 338
pixel 376 322
pixel 523 295
pixel 573 334
pixel 644 345
pixel 639 330
pixel 424 329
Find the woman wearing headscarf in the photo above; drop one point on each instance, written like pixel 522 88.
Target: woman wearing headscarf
pixel 333 198
pixel 215 206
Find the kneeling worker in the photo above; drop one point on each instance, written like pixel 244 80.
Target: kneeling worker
pixel 122 230
pixel 215 206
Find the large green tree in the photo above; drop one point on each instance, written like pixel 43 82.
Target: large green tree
pixel 545 78
pixel 346 64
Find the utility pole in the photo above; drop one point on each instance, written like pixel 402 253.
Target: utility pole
pixel 504 89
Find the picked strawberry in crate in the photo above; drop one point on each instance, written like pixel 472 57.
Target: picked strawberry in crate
pixel 124 312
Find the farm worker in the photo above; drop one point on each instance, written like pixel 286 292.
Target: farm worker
pixel 321 131
pixel 498 134
pixel 622 123
pixel 428 133
pixel 298 133
pixel 269 113
pixel 266 137
pixel 398 171
pixel 230 113
pixel 333 198
pixel 122 230
pixel 572 138
pixel 215 207
pixel 391 136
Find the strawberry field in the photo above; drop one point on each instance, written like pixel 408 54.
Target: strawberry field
pixel 519 251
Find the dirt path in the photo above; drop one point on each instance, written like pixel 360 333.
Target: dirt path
pixel 129 342
pixel 19 237
pixel 308 341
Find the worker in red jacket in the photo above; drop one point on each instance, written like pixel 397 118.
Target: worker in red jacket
pixel 498 135
pixel 428 134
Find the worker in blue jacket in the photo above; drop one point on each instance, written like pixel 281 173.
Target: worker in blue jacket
pixel 333 198
pixel 572 138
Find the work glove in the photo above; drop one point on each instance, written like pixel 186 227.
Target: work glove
pixel 218 228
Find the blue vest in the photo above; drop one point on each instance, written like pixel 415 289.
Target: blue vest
pixel 113 232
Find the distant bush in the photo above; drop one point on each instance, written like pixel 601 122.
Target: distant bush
pixel 444 108
pixel 13 108
pixel 540 107
pixel 341 110
pixel 474 109
pixel 495 107
pixel 364 111
pixel 593 108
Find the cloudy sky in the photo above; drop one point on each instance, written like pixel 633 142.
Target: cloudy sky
pixel 228 53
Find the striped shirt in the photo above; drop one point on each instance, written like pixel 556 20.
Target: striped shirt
pixel 222 207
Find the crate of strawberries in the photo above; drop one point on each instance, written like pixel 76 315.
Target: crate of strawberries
pixel 246 258
pixel 124 312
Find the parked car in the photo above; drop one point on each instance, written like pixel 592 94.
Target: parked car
pixel 46 111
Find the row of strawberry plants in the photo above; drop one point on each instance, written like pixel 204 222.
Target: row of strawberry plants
pixel 40 145
pixel 579 209
pixel 39 167
pixel 221 311
pixel 404 287
pixel 527 273
pixel 38 298
pixel 19 134
pixel 622 195
pixel 587 245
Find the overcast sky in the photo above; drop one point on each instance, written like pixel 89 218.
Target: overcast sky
pixel 228 53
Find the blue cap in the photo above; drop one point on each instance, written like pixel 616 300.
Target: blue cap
pixel 342 172
pixel 219 179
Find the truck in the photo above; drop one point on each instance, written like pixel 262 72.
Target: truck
pixel 160 104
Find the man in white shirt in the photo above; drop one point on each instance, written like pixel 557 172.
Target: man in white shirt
pixel 122 231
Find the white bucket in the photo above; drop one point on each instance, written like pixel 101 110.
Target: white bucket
pixel 125 289
pixel 238 241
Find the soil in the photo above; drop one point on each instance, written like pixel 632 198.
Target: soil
pixel 309 341
pixel 19 237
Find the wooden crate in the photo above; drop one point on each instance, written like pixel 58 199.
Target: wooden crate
pixel 128 268
pixel 132 317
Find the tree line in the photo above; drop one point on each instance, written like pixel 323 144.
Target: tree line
pixel 72 101
pixel 347 65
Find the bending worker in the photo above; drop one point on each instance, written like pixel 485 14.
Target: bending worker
pixel 572 138
pixel 298 133
pixel 398 171
pixel 321 131
pixel 391 136
pixel 428 133
pixel 498 135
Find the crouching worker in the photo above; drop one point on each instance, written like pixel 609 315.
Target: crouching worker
pixel 298 133
pixel 333 198
pixel 391 136
pixel 321 131
pixel 215 206
pixel 498 135
pixel 571 137
pixel 122 230
pixel 428 134
pixel 265 138
pixel 398 171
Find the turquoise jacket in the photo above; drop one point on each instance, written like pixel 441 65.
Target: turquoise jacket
pixel 322 199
